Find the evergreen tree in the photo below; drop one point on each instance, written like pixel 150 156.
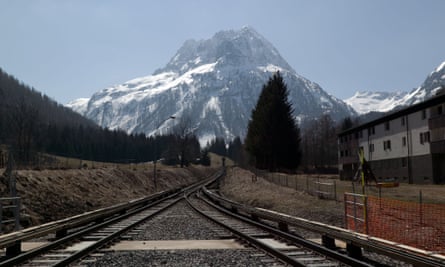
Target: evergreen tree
pixel 235 151
pixel 205 158
pixel 217 146
pixel 273 137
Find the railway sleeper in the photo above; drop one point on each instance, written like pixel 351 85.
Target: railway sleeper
pixel 354 251
pixel 283 226
pixel 14 250
pixel 328 242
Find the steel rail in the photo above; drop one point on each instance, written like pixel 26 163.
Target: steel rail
pixel 371 243
pixel 158 198
pixel 81 253
pixel 77 220
pixel 252 241
pixel 40 250
pixel 294 239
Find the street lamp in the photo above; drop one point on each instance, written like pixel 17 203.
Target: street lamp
pixel 156 154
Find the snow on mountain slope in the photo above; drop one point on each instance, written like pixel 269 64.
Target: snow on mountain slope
pixel 364 102
pixel 79 105
pixel 214 83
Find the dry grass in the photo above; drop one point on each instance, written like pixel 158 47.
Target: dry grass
pixel 405 192
pixel 54 194
pixel 239 186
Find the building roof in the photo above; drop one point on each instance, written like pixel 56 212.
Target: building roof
pixel 436 100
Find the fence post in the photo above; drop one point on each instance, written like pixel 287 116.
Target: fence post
pixel 17 214
pixel 365 212
pixel 355 213
pixel 1 217
pixel 420 207
pixel 296 182
pixel 319 194
pixel 345 200
pixel 335 190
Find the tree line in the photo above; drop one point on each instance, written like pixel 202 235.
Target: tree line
pixel 31 122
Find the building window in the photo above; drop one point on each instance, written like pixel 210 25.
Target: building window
pixel 387 126
pixel 387 145
pixel 424 137
pixel 403 121
pixel 404 141
pixel 371 147
pixel 423 114
pixel 439 110
pixel 360 134
pixel 403 162
pixel 371 130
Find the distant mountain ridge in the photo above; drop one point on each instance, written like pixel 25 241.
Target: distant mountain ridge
pixel 366 101
pixel 215 83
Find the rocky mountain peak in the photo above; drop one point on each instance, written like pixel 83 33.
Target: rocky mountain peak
pixel 215 83
pixel 232 47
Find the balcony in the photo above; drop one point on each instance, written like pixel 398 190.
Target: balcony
pixel 436 122
pixel 438 147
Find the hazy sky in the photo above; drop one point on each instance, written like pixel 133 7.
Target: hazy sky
pixel 71 49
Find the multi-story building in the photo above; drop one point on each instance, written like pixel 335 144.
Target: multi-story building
pixel 407 145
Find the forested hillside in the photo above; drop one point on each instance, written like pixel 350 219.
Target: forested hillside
pixel 31 122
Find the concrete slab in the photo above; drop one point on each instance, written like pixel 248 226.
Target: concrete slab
pixel 276 244
pixel 176 245
pixel 338 243
pixel 79 246
pixel 32 245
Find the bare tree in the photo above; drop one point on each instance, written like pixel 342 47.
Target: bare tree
pixel 320 144
pixel 186 142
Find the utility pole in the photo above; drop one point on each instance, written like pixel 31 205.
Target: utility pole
pixel 155 174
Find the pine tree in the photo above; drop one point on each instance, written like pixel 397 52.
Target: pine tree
pixel 273 137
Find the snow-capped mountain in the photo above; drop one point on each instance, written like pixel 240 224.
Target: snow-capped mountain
pixel 365 102
pixel 214 84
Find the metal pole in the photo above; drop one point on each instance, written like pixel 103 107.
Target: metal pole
pixel 154 175
pixel 17 214
pixel 296 182
pixel 365 213
pixel 1 216
pixel 420 206
pixel 355 213
pixel 335 190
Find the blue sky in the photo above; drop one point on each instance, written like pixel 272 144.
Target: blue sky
pixel 71 49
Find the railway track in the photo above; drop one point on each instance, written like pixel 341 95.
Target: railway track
pixel 210 235
pixel 95 234
pixel 295 251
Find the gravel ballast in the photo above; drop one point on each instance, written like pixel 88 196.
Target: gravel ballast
pixel 182 258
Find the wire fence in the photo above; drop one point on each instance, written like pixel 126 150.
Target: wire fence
pixel 420 225
pixel 323 188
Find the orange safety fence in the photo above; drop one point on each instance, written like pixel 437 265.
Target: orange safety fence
pixel 419 225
